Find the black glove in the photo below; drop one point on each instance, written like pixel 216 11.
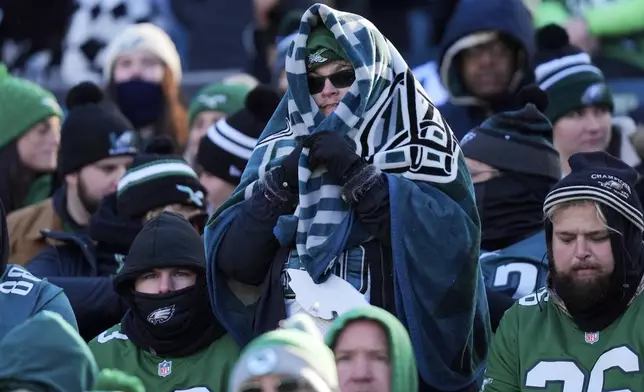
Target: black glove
pixel 291 165
pixel 335 152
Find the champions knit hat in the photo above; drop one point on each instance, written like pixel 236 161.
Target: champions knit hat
pixel 517 141
pixel 603 178
pixel 23 104
pixel 567 75
pixel 295 352
pixel 228 144
pixel 155 181
pixel 225 98
pixel 143 36
pixel 93 130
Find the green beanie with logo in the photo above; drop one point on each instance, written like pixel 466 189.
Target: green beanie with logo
pixel 323 47
pixel 23 104
pixel 225 98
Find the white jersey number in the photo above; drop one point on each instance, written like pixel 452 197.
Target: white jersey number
pixel 196 389
pixel 573 379
pixel 23 283
pixel 528 275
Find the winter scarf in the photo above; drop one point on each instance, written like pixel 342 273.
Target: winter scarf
pixel 395 127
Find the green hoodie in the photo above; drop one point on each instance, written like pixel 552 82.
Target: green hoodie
pixel 46 354
pixel 404 375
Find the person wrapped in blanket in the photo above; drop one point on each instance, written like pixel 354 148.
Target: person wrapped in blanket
pixel 356 193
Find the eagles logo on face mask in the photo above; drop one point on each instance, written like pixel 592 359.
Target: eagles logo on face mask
pixel 161 315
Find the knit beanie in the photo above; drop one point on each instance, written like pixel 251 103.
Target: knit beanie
pixel 603 178
pixel 143 36
pixel 323 47
pixel 23 104
pixel 156 180
pixel 518 140
pixel 93 130
pixel 296 350
pixel 229 143
pixel 225 98
pixel 567 75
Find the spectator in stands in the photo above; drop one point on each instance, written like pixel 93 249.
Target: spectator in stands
pixel 581 330
pixel 169 337
pixel 612 32
pixel 142 72
pixel 29 141
pixel 486 56
pixel 581 103
pixel 225 149
pixel 45 353
pixel 210 104
pixel 373 352
pixel 97 145
pixel 23 295
pixel 85 270
pixel 513 167
pixel 285 33
pixel 292 358
pixel 331 215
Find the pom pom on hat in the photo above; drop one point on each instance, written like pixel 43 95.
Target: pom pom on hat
pixel 262 101
pixel 161 145
pixel 552 37
pixel 83 94
pixel 532 94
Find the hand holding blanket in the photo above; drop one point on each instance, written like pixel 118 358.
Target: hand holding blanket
pixel 334 152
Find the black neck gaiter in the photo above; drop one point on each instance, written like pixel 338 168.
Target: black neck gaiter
pixel 511 208
pixel 178 324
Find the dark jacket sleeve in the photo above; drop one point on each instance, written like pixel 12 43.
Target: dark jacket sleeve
pixel 92 298
pixel 249 245
pixel 374 213
pixel 498 304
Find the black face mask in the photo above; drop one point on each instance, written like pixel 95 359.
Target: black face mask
pixel 178 323
pixel 142 102
pixel 510 208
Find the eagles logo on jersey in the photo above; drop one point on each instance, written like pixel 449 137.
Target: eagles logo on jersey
pixel 161 315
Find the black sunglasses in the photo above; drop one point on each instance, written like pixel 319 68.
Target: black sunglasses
pixel 340 79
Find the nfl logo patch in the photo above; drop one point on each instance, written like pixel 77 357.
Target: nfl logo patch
pixel 591 337
pixel 165 368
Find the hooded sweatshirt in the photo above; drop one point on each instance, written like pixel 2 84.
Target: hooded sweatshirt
pixel 171 341
pixel 404 376
pixel 466 28
pixel 22 295
pixel 47 353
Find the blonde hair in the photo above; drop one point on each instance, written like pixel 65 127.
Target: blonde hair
pixel 573 203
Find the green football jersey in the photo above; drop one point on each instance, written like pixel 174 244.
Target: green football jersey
pixel 537 347
pixel 205 371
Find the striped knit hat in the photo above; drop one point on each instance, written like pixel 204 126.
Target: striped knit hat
pixel 567 75
pixel 228 144
pixel 599 177
pixel 155 181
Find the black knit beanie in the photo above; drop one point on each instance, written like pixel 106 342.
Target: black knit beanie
pixel 225 149
pixel 518 140
pixel 155 181
pixel 93 130
pixel 567 74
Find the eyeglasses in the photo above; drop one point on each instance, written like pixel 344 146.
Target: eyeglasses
pixel 282 385
pixel 340 79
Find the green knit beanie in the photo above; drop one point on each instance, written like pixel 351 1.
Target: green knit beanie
pixel 297 350
pixel 23 104
pixel 225 98
pixel 323 47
